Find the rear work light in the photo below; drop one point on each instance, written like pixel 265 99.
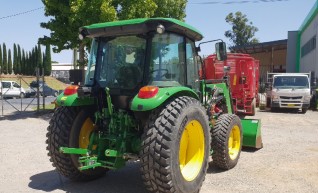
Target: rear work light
pixel 147 92
pixel 71 90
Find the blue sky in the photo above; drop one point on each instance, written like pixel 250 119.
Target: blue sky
pixel 273 18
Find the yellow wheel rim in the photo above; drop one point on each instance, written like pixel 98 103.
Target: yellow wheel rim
pixel 234 142
pixel 85 133
pixel 191 151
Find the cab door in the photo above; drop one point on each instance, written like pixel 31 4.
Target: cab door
pixel 6 86
pixel 15 89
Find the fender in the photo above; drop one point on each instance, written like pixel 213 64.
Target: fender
pixel 139 104
pixel 73 100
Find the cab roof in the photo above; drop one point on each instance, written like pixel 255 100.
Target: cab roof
pixel 139 26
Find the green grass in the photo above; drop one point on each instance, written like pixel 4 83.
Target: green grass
pixel 26 80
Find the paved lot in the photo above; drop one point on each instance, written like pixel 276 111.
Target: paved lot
pixel 287 163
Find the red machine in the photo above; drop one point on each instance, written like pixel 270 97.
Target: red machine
pixel 244 79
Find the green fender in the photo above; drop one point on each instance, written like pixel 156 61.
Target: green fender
pixel 73 100
pixel 139 104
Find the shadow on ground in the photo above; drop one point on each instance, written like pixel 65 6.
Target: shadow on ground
pixel 43 114
pixel 125 180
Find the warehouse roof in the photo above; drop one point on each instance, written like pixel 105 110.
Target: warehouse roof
pixel 261 47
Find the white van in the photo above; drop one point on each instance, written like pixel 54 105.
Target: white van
pixel 11 89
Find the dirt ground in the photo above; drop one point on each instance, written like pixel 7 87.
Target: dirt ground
pixel 287 163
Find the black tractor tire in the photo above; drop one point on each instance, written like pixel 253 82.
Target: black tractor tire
pixel 169 133
pixel 227 127
pixel 63 131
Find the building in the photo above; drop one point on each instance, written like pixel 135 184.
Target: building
pixel 272 55
pixel 60 71
pixel 302 55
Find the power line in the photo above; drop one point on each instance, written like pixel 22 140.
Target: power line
pixel 21 13
pixel 239 2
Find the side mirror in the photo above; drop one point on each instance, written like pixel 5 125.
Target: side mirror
pixel 220 49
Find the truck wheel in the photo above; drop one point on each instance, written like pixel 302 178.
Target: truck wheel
pixel 70 127
pixel 304 110
pixel 227 141
pixel 22 95
pixel 175 147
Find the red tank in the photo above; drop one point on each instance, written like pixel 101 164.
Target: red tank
pixel 244 79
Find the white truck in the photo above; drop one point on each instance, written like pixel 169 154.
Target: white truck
pixel 288 90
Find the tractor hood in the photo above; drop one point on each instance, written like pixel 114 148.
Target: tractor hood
pixel 139 26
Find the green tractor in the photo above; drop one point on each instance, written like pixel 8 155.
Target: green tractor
pixel 143 100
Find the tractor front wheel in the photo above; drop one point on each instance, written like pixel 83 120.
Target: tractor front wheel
pixel 227 139
pixel 70 127
pixel 175 147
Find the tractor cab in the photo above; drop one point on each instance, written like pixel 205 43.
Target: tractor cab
pixel 128 55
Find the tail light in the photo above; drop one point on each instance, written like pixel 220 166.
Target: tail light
pixel 71 90
pixel 147 92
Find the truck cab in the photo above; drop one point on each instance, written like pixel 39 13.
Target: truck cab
pixel 288 90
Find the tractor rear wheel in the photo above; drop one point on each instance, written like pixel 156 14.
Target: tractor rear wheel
pixel 227 141
pixel 70 127
pixel 175 147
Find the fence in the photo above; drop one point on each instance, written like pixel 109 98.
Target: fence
pixel 17 95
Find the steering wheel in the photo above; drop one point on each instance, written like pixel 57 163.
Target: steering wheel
pixel 160 71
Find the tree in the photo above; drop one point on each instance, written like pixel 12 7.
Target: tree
pixel 68 16
pixel 39 63
pixel 47 64
pixel 5 62
pixel 173 9
pixel 15 59
pixel 0 60
pixel 19 60
pixel 23 60
pixel 242 32
pixel 9 62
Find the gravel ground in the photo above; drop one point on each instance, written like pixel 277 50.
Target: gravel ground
pixel 287 163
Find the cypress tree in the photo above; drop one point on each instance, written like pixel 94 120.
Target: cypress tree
pixel 9 62
pixel 39 59
pixel 33 60
pixel 30 64
pixel 22 67
pixel 15 59
pixel 0 60
pixel 5 62
pixel 19 60
pixel 47 62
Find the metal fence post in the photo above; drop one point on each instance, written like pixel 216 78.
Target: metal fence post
pixel 43 89
pixel 38 88
pixel 1 91
pixel 20 92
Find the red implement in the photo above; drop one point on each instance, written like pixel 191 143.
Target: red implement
pixel 244 79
